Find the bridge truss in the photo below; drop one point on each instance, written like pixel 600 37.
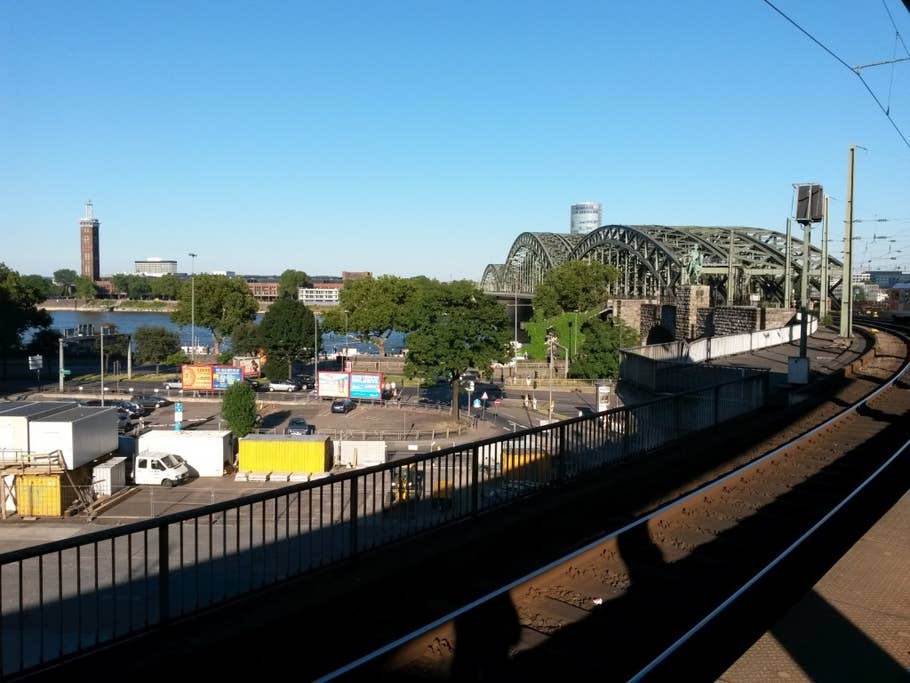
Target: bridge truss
pixel 652 260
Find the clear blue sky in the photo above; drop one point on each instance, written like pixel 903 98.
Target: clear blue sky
pixel 424 137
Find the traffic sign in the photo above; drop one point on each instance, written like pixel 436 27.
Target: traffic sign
pixel 35 362
pixel 66 372
pixel 484 397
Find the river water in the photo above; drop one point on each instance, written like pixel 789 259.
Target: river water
pixel 127 322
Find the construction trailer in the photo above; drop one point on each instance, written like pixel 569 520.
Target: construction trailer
pixel 263 453
pixel 82 434
pixel 208 453
pixel 15 421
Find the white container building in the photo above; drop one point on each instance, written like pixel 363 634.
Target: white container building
pixel 109 477
pixel 82 434
pixel 14 426
pixel 206 451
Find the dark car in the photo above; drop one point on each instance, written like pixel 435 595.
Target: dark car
pixel 254 384
pixel 132 408
pixel 150 401
pixel 298 426
pixel 342 405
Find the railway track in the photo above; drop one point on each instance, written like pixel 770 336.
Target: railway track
pixel 622 605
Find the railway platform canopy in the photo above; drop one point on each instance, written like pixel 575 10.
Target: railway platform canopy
pixel 654 260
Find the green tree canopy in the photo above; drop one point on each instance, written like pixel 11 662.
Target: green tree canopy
pixel 221 303
pixel 456 327
pixel 290 281
pixel 574 286
pixel 165 287
pixel 18 311
pixel 154 344
pixel 375 306
pixel 85 288
pixel 66 278
pixel 42 286
pixel 287 333
pixel 245 339
pixel 238 408
pixel 598 358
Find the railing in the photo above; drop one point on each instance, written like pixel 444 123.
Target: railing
pixel 648 366
pixel 72 595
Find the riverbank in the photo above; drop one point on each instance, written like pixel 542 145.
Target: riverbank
pixel 101 305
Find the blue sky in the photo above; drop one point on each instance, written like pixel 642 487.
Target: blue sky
pixel 423 137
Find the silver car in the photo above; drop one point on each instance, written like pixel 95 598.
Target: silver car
pixel 284 385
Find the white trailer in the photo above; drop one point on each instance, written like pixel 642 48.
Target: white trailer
pixel 109 477
pixel 14 426
pixel 206 452
pixel 360 453
pixel 82 434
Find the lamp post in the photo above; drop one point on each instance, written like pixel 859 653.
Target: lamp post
pixel 346 342
pixel 316 354
pixel 102 366
pixel 193 307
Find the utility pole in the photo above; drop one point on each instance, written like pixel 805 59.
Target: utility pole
pixel 823 299
pixel 787 268
pixel 804 291
pixel 846 288
pixel 60 364
pixel 193 308
pixel 102 366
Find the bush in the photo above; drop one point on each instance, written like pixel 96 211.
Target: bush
pixel 238 408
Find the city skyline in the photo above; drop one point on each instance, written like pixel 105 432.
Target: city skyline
pixel 414 139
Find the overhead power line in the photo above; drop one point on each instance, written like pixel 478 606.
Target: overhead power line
pixel 845 65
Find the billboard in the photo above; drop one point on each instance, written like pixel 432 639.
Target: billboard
pixel 249 364
pixel 366 385
pixel 196 377
pixel 334 384
pixel 224 376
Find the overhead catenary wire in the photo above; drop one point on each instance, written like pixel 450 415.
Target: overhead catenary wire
pixel 815 40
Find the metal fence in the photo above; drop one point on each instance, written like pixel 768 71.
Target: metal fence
pixel 72 595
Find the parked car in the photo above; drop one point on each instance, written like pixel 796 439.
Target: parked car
pixel 124 422
pixel 298 426
pixel 342 405
pixel 133 409
pixel 173 384
pixel 150 401
pixel 252 383
pixel 284 385
pixel 305 381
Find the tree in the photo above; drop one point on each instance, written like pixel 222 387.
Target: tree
pixel 290 281
pixel 42 286
pixel 154 344
pixel 66 278
pixel 238 408
pixel 599 357
pixel 574 286
pixel 375 306
pixel 139 287
pixel 18 311
pixel 121 284
pixel 287 333
pixel 221 303
pixel 457 327
pixel 45 342
pixel 245 339
pixel 165 287
pixel 85 288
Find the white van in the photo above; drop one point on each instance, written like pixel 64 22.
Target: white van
pixel 166 469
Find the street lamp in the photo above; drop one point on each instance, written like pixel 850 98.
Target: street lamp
pixel 316 354
pixel 193 307
pixel 346 342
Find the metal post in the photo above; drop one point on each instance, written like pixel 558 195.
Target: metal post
pixel 354 517
pixel 129 357
pixel 316 354
pixel 102 365
pixel 193 308
pixel 60 364
pixel 846 297
pixel 823 299
pixel 787 268
pixel 164 587
pixel 804 290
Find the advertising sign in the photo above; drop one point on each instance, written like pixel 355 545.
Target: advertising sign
pixel 366 385
pixel 224 376
pixel 249 365
pixel 334 384
pixel 196 377
pixel 35 362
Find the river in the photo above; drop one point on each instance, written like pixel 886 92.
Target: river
pixel 127 322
